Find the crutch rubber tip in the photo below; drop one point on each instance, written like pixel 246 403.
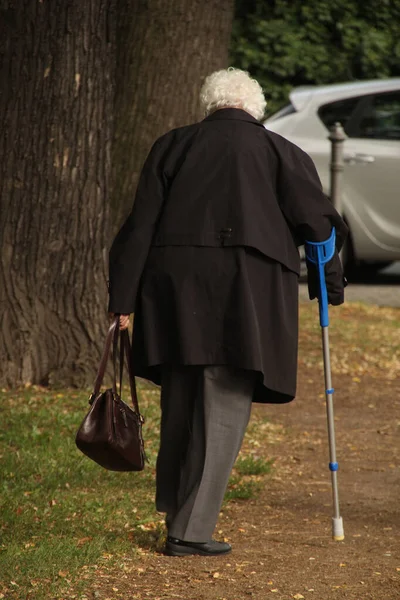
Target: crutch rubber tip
pixel 337 529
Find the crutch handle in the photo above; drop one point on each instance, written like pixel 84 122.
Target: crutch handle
pixel 319 253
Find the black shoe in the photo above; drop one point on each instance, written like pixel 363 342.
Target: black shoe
pixel 175 547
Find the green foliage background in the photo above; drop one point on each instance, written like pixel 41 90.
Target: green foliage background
pixel 287 43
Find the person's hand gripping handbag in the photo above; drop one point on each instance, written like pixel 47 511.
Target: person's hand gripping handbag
pixel 111 432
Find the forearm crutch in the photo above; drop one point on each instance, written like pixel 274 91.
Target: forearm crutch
pixel 319 253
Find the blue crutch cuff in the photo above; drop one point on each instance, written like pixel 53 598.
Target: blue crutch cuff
pixel 319 253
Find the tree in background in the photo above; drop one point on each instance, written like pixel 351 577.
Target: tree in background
pixel 165 49
pixel 287 43
pixel 73 72
pixel 56 95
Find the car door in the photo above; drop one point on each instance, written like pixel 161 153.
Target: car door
pixel 372 172
pixel 319 146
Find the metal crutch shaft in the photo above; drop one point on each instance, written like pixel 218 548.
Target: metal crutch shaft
pixel 319 253
pixel 337 521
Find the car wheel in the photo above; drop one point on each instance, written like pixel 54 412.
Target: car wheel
pixel 355 269
pixel 371 269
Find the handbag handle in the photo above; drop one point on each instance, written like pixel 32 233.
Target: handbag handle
pixel 125 349
pixel 104 358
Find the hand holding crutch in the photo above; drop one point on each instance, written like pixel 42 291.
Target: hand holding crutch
pixel 319 253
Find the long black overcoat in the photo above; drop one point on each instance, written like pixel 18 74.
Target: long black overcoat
pixel 208 259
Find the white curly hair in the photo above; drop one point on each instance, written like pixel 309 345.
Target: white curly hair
pixel 232 88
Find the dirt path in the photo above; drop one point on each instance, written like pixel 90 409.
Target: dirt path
pixel 282 540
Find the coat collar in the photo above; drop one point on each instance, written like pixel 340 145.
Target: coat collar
pixel 236 114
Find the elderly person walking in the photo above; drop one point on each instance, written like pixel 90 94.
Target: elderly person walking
pixel 208 262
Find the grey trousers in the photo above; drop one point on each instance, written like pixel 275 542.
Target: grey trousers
pixel 205 411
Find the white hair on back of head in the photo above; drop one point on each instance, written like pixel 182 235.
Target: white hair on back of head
pixel 232 88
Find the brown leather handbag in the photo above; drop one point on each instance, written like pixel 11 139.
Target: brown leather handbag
pixel 111 432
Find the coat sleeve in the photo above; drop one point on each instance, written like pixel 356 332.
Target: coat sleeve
pixel 311 216
pixel 131 246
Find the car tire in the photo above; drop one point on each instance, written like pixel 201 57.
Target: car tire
pixel 371 269
pixel 355 269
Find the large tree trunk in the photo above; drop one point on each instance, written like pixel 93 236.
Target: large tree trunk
pixel 165 48
pixel 56 111
pixel 56 107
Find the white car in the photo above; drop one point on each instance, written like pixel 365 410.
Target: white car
pixel 370 114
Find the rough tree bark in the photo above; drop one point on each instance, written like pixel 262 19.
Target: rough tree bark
pixel 165 49
pixel 58 68
pixel 56 98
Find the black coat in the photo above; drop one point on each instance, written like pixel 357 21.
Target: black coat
pixel 249 197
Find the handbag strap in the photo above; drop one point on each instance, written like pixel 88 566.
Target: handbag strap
pixel 105 356
pixel 125 351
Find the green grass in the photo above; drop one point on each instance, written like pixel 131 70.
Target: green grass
pixel 60 513
pixel 247 481
pixel 249 465
pixel 242 489
pixel 59 510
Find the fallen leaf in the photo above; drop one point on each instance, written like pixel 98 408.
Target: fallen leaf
pixel 83 540
pixel 298 597
pixel 216 575
pixel 63 573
